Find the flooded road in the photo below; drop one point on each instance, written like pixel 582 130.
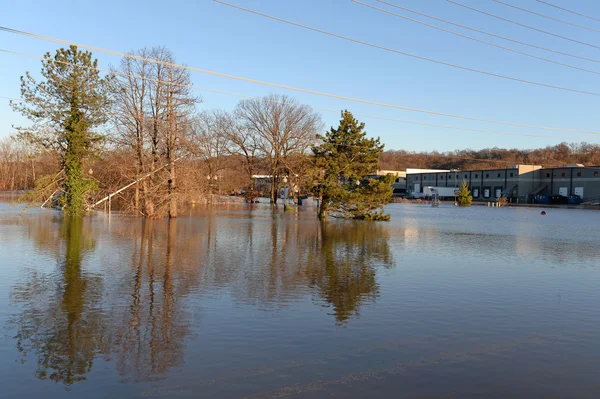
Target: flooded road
pixel 233 302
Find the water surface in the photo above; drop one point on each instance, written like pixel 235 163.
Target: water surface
pixel 239 302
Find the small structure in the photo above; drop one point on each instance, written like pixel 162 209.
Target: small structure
pixel 262 183
pixel 435 199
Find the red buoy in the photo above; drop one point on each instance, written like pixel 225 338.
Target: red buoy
pixel 543 212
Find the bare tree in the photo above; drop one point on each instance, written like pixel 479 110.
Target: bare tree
pixel 210 142
pixel 21 165
pixel 130 114
pixel 280 127
pixel 153 110
pixel 172 108
pixel 243 143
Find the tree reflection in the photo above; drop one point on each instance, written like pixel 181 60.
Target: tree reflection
pixel 343 264
pixel 61 326
pixel 70 318
pixel 150 339
pixel 136 314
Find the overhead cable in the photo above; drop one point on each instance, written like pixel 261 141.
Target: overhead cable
pixel 409 54
pixel 279 102
pixel 523 25
pixel 491 34
pixel 297 89
pixel 476 39
pixel 545 16
pixel 567 10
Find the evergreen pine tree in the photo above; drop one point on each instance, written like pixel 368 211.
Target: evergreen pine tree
pixel 342 162
pixel 464 197
pixel 64 108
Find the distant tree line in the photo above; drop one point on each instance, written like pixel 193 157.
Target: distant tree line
pixel 490 158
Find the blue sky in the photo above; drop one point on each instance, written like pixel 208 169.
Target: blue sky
pixel 211 36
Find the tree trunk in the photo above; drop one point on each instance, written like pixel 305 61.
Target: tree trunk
pixel 74 179
pixel 137 196
pixel 273 190
pixel 148 203
pixel 322 214
pixel 172 187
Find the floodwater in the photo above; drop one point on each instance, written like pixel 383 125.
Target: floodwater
pixel 233 302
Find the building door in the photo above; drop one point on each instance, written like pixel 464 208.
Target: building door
pixel 417 187
pixel 564 191
pixel 579 191
pixel 486 193
pixel 498 192
pixel 475 193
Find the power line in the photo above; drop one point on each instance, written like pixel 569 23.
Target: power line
pixel 285 87
pixel 409 54
pixel 476 39
pixel 567 10
pixel 302 105
pixel 282 102
pixel 490 34
pixel 523 25
pixel 545 16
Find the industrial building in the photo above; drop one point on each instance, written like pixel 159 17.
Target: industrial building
pixel 400 184
pixel 518 183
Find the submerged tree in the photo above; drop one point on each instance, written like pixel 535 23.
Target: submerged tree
pixel 464 197
pixel 152 114
pixel 65 108
pixel 281 128
pixel 342 162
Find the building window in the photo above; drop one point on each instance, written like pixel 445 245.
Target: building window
pixel 547 174
pixel 595 174
pixel 578 174
pixel 476 175
pixel 456 176
pixel 512 174
pixel 487 175
pixel 466 176
pixel 563 174
pixel 424 177
pixel 499 175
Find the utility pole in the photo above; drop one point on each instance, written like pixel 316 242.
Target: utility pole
pixel 455 175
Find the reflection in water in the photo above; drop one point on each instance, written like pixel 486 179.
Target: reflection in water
pixel 140 319
pixel 229 302
pixel 150 325
pixel 62 321
pixel 342 264
pixel 70 318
